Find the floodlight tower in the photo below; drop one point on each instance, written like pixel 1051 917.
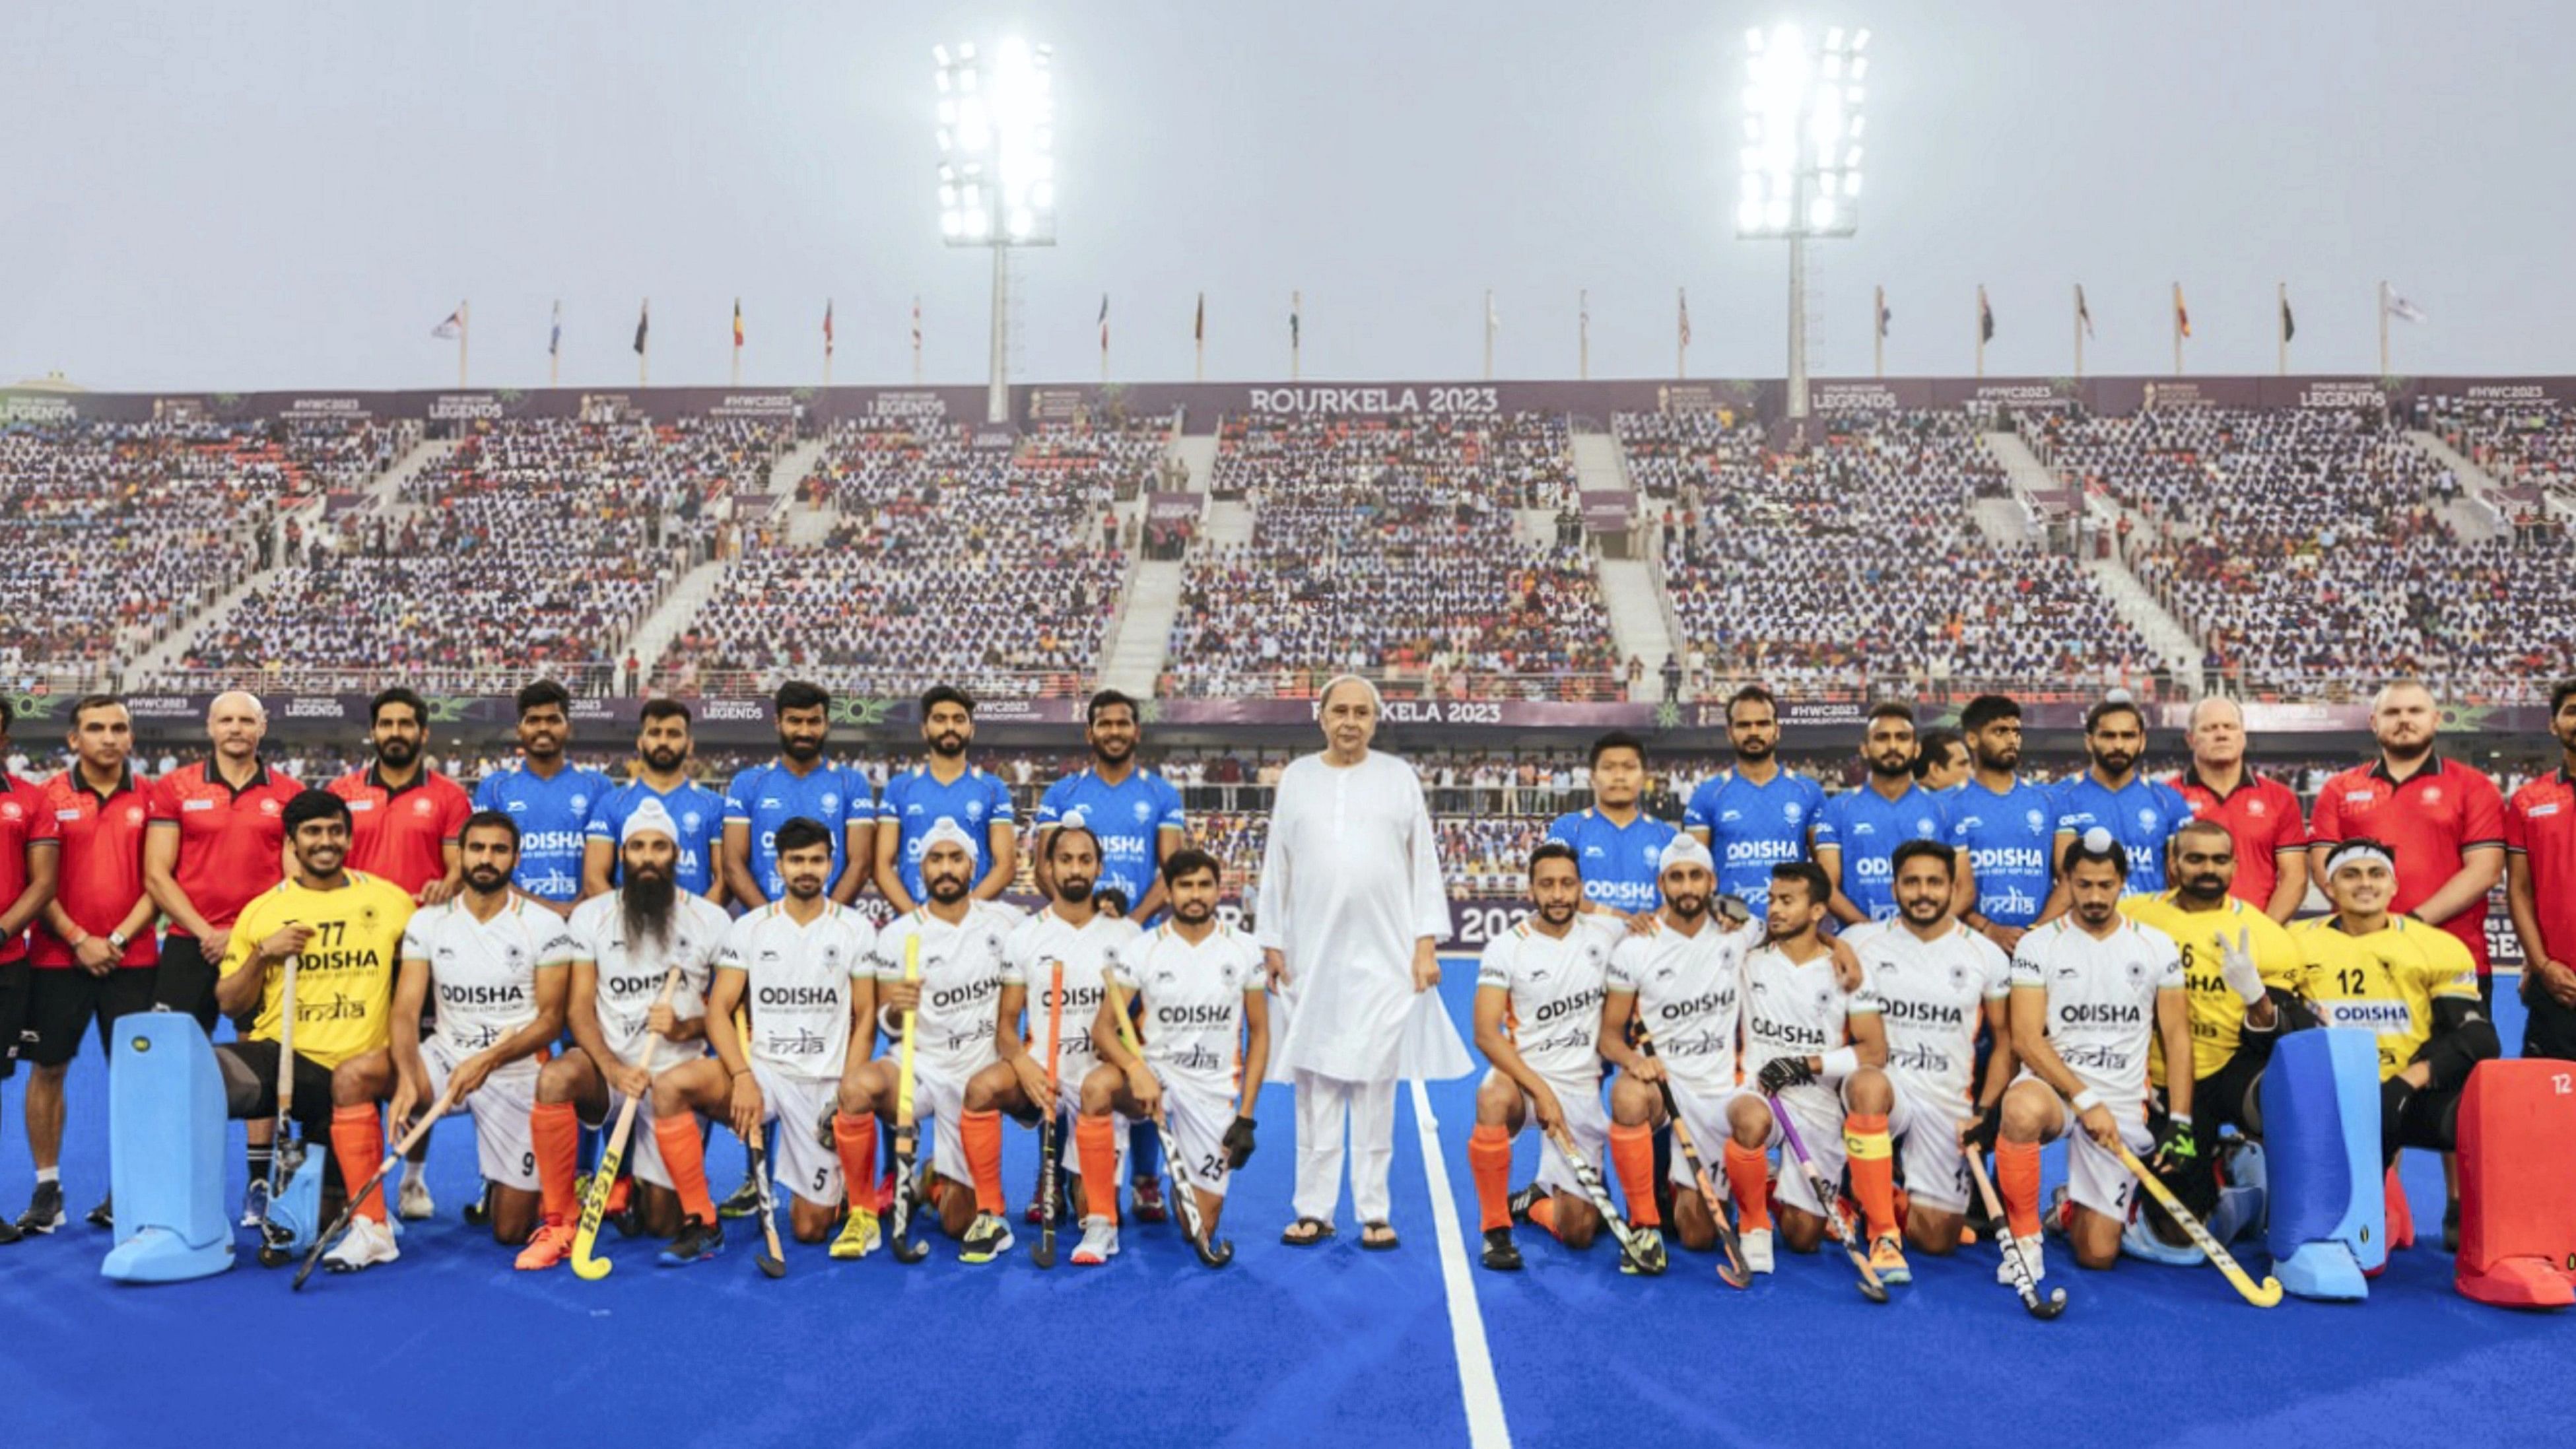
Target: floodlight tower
pixel 997 170
pixel 1801 159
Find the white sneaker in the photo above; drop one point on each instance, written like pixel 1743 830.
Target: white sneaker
pixel 2029 1254
pixel 1099 1242
pixel 368 1243
pixel 415 1205
pixel 1757 1250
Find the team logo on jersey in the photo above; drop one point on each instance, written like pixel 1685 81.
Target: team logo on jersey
pixel 1923 825
pixel 1823 999
pixel 2538 811
pixel 1650 854
pixel 1731 815
pixel 12 810
pixel 1144 811
pixel 689 821
pixel 831 955
pixel 2257 807
pixel 2037 821
pixel 579 802
pixel 1958 976
pixel 1792 812
pixel 2137 971
pixel 133 814
pixel 2147 818
pixel 1537 974
pixel 423 806
pixel 974 809
pixel 367 917
pixel 1863 827
pixel 2433 795
pixel 513 955
pixel 1591 851
pixel 768 802
pixel 912 809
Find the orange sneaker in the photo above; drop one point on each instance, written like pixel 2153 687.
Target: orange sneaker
pixel 551 1245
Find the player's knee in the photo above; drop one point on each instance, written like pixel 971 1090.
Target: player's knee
pixel 1800 1232
pixel 2097 1259
pixel 1632 1102
pixel 353 1084
pixel 1494 1103
pixel 1933 1233
pixel 670 1094
pixel 1576 1228
pixel 560 1080
pixel 2028 1109
pixel 1749 1122
pixel 1867 1090
pixel 1099 1090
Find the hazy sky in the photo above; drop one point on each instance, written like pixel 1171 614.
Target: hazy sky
pixel 270 195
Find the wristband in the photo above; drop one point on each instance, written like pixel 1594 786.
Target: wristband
pixel 2182 1121
pixel 1839 1063
pixel 2086 1100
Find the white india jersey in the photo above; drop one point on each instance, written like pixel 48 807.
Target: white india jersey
pixel 1793 1010
pixel 796 984
pixel 961 979
pixel 2101 999
pixel 1690 996
pixel 1029 958
pixel 483 974
pixel 631 972
pixel 1192 1001
pixel 1931 997
pixel 1554 988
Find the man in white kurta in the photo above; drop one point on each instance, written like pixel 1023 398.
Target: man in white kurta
pixel 1351 911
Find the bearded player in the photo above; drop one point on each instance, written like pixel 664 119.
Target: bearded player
pixel 1076 933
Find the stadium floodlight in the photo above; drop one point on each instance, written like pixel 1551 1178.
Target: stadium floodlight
pixel 1801 155
pixel 997 181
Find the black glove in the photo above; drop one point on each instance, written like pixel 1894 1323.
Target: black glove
pixel 1781 1073
pixel 2177 1149
pixel 1981 1136
pixel 1238 1144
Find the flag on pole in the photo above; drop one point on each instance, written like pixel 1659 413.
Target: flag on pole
pixel 1985 317
pixel 2403 310
pixel 1198 324
pixel 1296 304
pixel 554 339
pixel 1885 312
pixel 737 322
pixel 1682 297
pixel 2289 324
pixel 827 327
pixel 1104 324
pixel 643 327
pixel 2182 314
pixel 454 324
pixel 1493 319
pixel 2083 314
pixel 916 321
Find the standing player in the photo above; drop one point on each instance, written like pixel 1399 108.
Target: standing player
pixel 548 797
pixel 2003 829
pixel 1538 1019
pixel 30 857
pixel 216 838
pixel 2540 889
pixel 1134 813
pixel 405 817
pixel 2091 990
pixel 1076 932
pixel 1196 984
pixel 1857 835
pixel 93 954
pixel 1941 763
pixel 2261 814
pixel 1617 845
pixel 2113 794
pixel 798 785
pixel 945 787
pixel 956 1001
pixel 493 961
pixel 662 749
pixel 1756 815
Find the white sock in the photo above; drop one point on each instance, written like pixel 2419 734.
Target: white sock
pixel 49 1174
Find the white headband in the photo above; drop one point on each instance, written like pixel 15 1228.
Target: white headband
pixel 2356 852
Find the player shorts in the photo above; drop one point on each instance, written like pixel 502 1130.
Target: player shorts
pixel 13 1013
pixel 2219 1099
pixel 805 1167
pixel 643 1154
pixel 1069 1159
pixel 312 1086
pixel 1704 1113
pixel 1926 1130
pixel 1818 1111
pixel 2094 1178
pixel 1198 1117
pixel 504 1145
pixel 1586 1121
pixel 185 980
pixel 63 1001
pixel 939 1093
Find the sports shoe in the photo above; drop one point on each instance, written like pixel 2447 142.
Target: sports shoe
pixel 987 1237
pixel 1887 1259
pixel 1648 1256
pixel 1147 1202
pixel 1756 1243
pixel 415 1203
pixel 1099 1242
pixel 745 1200
pixel 1522 1201
pixel 1501 1253
pixel 551 1245
pixel 44 1209
pixel 8 1233
pixel 696 1243
pixel 255 1203
pixel 368 1243
pixel 2059 1213
pixel 860 1235
pixel 2030 1254
pixel 104 1215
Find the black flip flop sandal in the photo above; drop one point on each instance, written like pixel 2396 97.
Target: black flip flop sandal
pixel 1387 1244
pixel 1306 1232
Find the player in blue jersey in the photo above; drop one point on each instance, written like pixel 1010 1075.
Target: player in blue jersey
pixel 662 749
pixel 547 797
pixel 1134 812
pixel 1941 762
pixel 944 787
pixel 1616 843
pixel 2002 827
pixel 1756 815
pixel 2115 795
pixel 1857 836
pixel 798 784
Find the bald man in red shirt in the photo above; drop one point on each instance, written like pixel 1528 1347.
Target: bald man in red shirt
pixel 2262 816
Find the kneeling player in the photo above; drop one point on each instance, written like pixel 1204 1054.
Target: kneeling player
pixel 2090 991
pixel 493 961
pixel 1198 986
pixel 1075 933
pixel 624 945
pixel 1538 1020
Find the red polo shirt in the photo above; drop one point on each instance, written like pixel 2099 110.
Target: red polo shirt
pixel 2540 826
pixel 102 865
pixel 400 835
pixel 2262 818
pixel 26 822
pixel 2441 811
pixel 229 840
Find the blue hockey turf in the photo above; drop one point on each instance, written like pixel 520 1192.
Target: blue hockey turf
pixel 1328 1345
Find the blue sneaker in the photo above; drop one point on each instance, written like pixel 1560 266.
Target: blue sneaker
pixel 696 1243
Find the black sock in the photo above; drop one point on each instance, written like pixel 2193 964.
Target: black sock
pixel 257 1154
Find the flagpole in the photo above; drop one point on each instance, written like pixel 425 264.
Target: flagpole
pixel 1489 334
pixel 2079 332
pixel 1980 325
pixel 1198 341
pixel 1296 330
pixel 827 342
pixel 1104 339
pixel 916 339
pixel 464 331
pixel 1583 335
pixel 1878 331
pixel 2280 310
pixel 554 348
pixel 2383 329
pixel 737 342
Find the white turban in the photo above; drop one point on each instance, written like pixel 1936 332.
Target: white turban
pixel 649 819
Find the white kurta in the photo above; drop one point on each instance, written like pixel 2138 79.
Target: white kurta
pixel 1349 882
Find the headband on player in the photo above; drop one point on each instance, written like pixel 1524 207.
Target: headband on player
pixel 1685 850
pixel 947 829
pixel 2355 851
pixel 649 819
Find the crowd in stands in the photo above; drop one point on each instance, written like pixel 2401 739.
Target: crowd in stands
pixel 2530 442
pixel 1673 453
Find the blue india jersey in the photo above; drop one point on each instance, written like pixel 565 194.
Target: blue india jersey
pixel 1129 819
pixel 1752 828
pixel 764 797
pixel 1620 863
pixel 2010 839
pixel 553 816
pixel 915 800
pixel 1867 827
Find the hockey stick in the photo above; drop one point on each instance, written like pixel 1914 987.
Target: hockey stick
pixel 1043 1254
pixel 1185 1191
pixel 1870 1287
pixel 2262 1295
pixel 603 1178
pixel 349 1210
pixel 1646 1259
pixel 2023 1284
pixel 907 1138
pixel 772 1261
pixel 1731 1272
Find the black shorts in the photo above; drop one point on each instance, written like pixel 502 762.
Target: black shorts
pixel 186 980
pixel 13 1013
pixel 63 1001
pixel 312 1085
pixel 2549 1029
pixel 2219 1099
pixel 2427 1117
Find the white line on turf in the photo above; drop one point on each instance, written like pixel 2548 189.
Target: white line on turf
pixel 1485 1426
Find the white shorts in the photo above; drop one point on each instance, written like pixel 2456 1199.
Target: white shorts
pixel 804 1166
pixel 503 1143
pixel 1818 1111
pixel 2097 1179
pixel 1704 1113
pixel 1068 1156
pixel 1198 1117
pixel 1586 1121
pixel 643 1154
pixel 1927 1146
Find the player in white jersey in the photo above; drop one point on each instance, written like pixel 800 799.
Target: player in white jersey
pixel 954 1006
pixel 624 944
pixel 1935 980
pixel 802 972
pixel 493 960
pixel 1538 1020
pixel 1197 988
pixel 2090 990
pixel 1076 933
pixel 1683 980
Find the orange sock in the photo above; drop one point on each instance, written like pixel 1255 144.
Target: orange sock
pixel 855 1139
pixel 2017 1180
pixel 555 1130
pixel 1873 1169
pixel 358 1142
pixel 1543 1213
pixel 1095 1143
pixel 685 1158
pixel 1748 1178
pixel 1489 1160
pixel 1632 1151
pixel 982 1134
